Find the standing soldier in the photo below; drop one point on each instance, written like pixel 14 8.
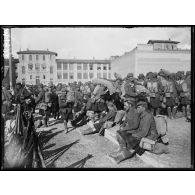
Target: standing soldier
pixel 129 87
pixel 185 93
pixel 43 110
pixel 66 102
pixel 170 91
pixel 155 88
pixel 141 79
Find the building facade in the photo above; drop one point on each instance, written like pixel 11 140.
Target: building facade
pixel 37 66
pixel 42 67
pixel 153 56
pixel 69 70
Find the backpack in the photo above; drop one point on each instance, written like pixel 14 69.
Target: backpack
pixel 70 96
pixel 162 127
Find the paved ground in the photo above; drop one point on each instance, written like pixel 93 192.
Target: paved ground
pixel 73 150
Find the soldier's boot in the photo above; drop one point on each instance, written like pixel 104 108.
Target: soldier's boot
pixel 65 127
pixel 184 111
pixel 121 156
pixel 174 112
pixel 169 112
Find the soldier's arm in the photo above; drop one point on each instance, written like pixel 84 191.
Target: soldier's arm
pixel 145 129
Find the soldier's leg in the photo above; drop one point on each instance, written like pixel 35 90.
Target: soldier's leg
pixel 152 111
pixel 188 109
pixel 169 112
pixel 174 111
pixel 184 110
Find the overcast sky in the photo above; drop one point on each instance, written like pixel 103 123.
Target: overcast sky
pixel 87 43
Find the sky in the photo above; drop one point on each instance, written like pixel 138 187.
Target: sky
pixel 100 43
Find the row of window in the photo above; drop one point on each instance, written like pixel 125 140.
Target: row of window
pixel 37 77
pixel 65 66
pixel 81 76
pixel 36 56
pixel 37 68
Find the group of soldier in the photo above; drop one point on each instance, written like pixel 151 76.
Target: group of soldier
pixel 85 103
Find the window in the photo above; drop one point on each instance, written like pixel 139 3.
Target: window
pixel 90 66
pixel 43 76
pixel 50 57
pixel 22 57
pixel 30 66
pixel 71 75
pixel 30 57
pixel 105 75
pixel 65 75
pixel 43 66
pixel 51 69
pixel 79 67
pixel 99 67
pixel 85 75
pixel 23 69
pixel 109 67
pixel 105 67
pixel 59 66
pixel 59 75
pixel 30 76
pixel 65 66
pixel 79 75
pixel 71 66
pixel 37 66
pixel 85 67
pixel 98 75
pixel 44 57
pixel 91 75
pixel 37 57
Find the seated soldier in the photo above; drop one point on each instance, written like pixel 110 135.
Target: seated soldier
pixel 130 139
pixel 110 116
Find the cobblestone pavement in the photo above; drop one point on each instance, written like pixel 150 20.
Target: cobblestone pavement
pixel 73 150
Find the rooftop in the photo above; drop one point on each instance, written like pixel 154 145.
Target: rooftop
pixel 162 41
pixel 37 52
pixel 84 61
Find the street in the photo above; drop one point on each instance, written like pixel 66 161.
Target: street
pixel 73 150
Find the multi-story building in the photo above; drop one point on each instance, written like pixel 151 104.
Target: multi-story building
pixel 37 66
pixel 151 57
pixel 69 70
pixel 6 76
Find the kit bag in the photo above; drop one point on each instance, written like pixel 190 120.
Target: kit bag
pixel 147 144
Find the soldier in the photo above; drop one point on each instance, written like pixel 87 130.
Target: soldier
pixel 185 94
pixel 170 91
pixel 129 86
pixel 66 102
pixel 43 108
pixel 141 79
pixel 155 88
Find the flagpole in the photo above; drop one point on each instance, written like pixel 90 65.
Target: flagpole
pixel 10 60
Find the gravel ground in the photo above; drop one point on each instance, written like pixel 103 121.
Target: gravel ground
pixel 73 150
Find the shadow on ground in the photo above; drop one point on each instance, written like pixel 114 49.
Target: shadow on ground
pixel 80 163
pixel 44 137
pixel 53 155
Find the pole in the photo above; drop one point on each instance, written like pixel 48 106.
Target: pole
pixel 10 60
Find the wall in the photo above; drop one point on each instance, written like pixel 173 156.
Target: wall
pixel 124 64
pixel 172 61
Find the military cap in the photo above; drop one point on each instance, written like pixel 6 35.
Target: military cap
pixel 129 75
pixel 141 103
